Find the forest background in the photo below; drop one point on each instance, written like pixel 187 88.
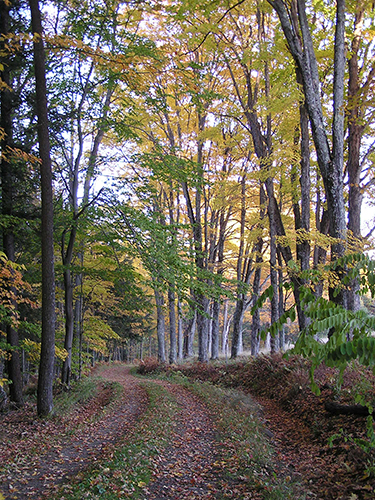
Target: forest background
pixel 206 164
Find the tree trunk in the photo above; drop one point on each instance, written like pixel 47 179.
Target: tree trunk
pixel 202 327
pixel 172 326
pixel 355 132
pixel 243 277
pixel 273 261
pixel 215 329
pixel 69 308
pixel 226 328
pixel 304 244
pixel 189 333
pixel 78 319
pixel 300 43
pixel 47 355
pixel 160 325
pixel 255 324
pixel 237 327
pixel 301 203
pixel 180 332
pixel 281 299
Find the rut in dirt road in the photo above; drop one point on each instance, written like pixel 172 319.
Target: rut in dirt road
pixel 42 473
pixel 186 468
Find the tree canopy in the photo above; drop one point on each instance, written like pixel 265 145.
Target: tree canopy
pixel 212 173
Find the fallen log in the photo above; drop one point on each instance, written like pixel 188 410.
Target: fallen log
pixel 337 409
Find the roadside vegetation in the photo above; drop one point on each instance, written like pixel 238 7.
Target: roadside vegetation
pixel 325 440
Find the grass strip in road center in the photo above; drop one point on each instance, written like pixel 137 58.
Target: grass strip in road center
pixel 129 469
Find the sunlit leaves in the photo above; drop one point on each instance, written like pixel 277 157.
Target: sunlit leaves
pixel 32 349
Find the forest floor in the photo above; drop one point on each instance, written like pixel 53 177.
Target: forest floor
pixel 179 436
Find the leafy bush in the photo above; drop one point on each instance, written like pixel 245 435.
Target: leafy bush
pixel 149 365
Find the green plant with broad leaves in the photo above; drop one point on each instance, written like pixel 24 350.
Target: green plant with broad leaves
pixel 349 332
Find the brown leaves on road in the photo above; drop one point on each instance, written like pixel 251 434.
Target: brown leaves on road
pixel 36 456
pixel 186 469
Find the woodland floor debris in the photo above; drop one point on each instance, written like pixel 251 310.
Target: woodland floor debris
pixel 39 457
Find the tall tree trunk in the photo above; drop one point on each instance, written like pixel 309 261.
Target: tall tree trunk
pixel 301 202
pixel 202 327
pixel 355 132
pixel 255 324
pixel 298 35
pixel 160 325
pixel 237 326
pixel 226 328
pixel 189 332
pixel 7 201
pixel 172 325
pixel 273 261
pixel 195 219
pixel 303 249
pixel 243 276
pixel 47 355
pixel 69 308
pixel 281 299
pixel 180 332
pixel 215 329
pixel 67 255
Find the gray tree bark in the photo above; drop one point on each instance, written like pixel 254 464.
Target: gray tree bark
pixel 356 129
pixel 172 325
pixel 47 355
pixel 160 325
pixel 294 23
pixel 180 332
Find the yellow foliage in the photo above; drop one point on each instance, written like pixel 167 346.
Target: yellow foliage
pixel 97 333
pixel 33 351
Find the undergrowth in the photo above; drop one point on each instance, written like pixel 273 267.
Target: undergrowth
pixel 80 392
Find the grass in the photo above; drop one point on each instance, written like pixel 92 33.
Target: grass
pixel 81 392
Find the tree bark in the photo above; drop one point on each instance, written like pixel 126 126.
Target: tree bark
pixel 160 325
pixel 180 333
pixel 281 299
pixel 355 133
pixel 273 261
pixel 189 332
pixel 47 355
pixel 244 273
pixel 69 312
pixel 255 324
pixel 172 325
pixel 226 327
pixel 215 329
pixel 297 33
